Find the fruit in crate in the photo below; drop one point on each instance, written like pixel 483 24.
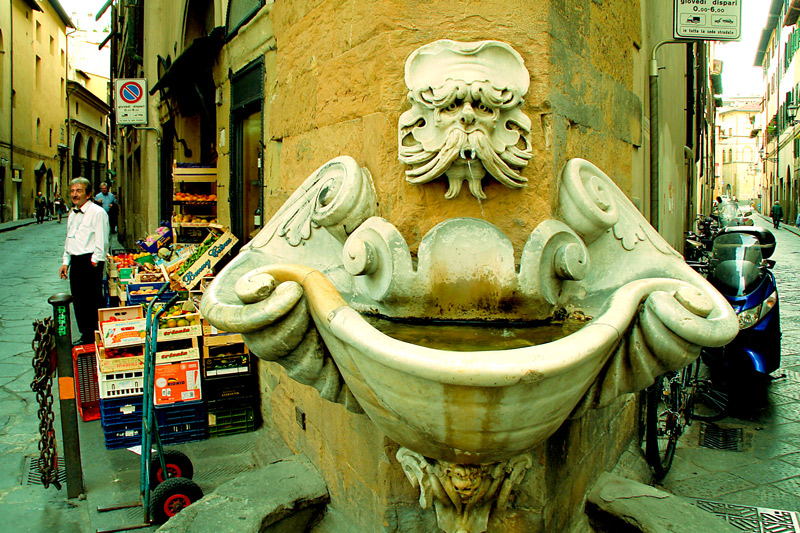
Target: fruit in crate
pixel 144 291
pixel 127 260
pixel 187 197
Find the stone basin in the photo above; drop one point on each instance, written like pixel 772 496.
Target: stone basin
pixel 485 405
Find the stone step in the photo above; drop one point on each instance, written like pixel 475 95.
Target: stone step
pixel 283 496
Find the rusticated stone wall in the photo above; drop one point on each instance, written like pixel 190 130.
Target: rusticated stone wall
pixel 338 89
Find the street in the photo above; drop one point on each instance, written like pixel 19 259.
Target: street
pixel 765 474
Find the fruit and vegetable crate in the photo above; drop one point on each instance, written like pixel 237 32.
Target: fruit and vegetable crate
pixel 87 390
pixel 122 422
pixel 141 293
pixel 132 357
pixel 203 258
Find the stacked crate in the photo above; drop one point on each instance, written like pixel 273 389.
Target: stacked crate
pixel 230 383
pixel 177 395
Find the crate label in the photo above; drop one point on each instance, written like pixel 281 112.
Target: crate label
pixel 188 395
pixel 128 409
pixel 212 419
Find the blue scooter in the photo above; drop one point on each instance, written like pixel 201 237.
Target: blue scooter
pixel 740 269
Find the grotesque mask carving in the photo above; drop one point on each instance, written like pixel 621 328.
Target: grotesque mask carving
pixel 465 117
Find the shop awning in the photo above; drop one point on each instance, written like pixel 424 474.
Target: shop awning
pixel 792 13
pixel 198 58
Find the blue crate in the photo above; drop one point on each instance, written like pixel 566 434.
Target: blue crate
pixel 122 422
pixel 114 410
pixel 181 422
pixel 133 299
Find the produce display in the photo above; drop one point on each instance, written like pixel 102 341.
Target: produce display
pixel 198 252
pixel 144 291
pixel 127 260
pixel 158 236
pixel 189 198
pixel 126 351
pixel 193 219
pixel 176 317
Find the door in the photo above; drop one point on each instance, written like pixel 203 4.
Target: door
pixel 247 133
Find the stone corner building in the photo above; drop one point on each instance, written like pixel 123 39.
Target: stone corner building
pixel 268 91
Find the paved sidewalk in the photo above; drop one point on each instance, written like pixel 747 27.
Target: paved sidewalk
pixel 14 224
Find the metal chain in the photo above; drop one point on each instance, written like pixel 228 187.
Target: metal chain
pixel 43 345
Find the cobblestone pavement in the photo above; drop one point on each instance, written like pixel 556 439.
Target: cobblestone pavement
pixel 766 473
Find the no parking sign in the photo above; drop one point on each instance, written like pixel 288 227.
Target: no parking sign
pixel 130 101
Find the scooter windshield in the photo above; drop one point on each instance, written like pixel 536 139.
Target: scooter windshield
pixel 728 213
pixel 735 263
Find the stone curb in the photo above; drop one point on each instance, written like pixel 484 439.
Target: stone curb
pixel 282 496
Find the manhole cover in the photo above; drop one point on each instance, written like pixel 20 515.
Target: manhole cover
pixel 753 519
pixel 728 439
pixel 32 475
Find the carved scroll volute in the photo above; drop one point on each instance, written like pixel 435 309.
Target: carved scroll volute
pixel 338 196
pixel 553 254
pixel 586 202
pixel 379 257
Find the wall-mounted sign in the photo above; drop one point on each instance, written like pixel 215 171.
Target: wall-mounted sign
pixel 708 20
pixel 130 101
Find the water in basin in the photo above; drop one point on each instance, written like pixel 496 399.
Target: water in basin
pixel 475 336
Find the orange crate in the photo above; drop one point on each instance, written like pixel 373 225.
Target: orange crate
pixel 87 390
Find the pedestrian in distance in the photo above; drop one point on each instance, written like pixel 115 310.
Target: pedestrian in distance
pixel 85 250
pixel 108 201
pixel 41 207
pixel 777 214
pixel 59 206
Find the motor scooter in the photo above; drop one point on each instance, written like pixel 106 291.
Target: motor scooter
pixel 740 269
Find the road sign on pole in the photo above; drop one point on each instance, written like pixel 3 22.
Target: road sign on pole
pixel 708 20
pixel 130 101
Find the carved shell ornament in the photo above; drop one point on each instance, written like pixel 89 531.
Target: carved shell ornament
pixel 465 118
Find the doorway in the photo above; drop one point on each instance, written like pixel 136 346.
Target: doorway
pixel 247 135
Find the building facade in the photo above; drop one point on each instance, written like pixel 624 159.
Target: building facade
pixel 33 74
pixel 737 151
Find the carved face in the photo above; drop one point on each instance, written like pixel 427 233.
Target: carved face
pixel 465 117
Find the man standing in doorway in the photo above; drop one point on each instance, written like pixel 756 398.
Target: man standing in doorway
pixel 777 214
pixel 108 202
pixel 85 251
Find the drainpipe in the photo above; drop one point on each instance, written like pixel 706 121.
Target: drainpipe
pixel 654 151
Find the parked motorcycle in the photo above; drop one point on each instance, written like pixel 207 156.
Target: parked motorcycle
pixel 740 269
pixel 697 245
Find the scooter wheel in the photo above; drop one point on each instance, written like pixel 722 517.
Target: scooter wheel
pixel 178 465
pixel 172 496
pixel 662 424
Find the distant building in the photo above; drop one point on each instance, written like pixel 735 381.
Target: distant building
pixel 33 73
pixel 737 151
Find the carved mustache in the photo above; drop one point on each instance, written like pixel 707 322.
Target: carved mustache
pixel 467 146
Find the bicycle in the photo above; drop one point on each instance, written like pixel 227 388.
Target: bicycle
pixel 672 402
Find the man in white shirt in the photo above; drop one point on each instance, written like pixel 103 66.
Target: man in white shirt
pixel 85 251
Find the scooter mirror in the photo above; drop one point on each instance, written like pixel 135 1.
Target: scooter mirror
pixel 769 263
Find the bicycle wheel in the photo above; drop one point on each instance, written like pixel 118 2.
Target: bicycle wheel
pixel 711 400
pixel 662 423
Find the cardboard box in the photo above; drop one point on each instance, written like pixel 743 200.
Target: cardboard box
pixel 107 363
pixel 192 330
pixel 177 382
pixel 122 326
pixel 206 262
pixel 213 336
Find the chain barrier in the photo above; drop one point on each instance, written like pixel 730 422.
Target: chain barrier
pixel 44 350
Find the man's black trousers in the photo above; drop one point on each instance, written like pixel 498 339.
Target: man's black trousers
pixel 85 283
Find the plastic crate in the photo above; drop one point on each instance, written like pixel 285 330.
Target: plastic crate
pixel 238 388
pixel 121 384
pixel 122 422
pixel 116 410
pixel 223 422
pixel 183 422
pixel 87 390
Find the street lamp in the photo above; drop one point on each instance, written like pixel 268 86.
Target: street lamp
pixel 791 112
pixel 765 157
